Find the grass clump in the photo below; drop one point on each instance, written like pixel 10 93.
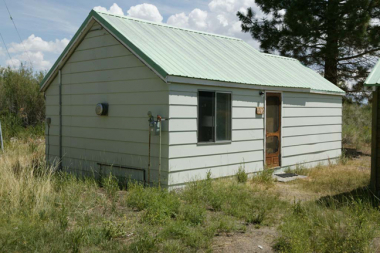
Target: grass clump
pixel 241 175
pixel 159 204
pixel 264 177
pixel 299 169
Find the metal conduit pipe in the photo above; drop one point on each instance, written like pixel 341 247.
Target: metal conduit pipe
pixel 150 129
pixel 60 119
pixel 159 125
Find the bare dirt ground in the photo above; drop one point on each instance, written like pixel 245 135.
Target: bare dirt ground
pixel 253 240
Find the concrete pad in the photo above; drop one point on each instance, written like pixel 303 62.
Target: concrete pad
pixel 287 179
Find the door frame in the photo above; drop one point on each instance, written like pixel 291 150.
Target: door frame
pixel 265 125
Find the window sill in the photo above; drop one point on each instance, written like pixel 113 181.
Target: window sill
pixel 213 143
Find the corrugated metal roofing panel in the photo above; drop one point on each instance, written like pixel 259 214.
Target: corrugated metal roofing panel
pixel 173 51
pixel 374 77
pixel 187 53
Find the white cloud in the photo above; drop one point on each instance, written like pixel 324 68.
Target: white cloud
pixel 35 44
pixel 145 11
pixel 34 49
pixel 36 58
pixel 220 18
pixel 198 19
pixel 114 9
pixel 180 20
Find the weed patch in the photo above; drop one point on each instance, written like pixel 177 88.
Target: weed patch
pixel 312 228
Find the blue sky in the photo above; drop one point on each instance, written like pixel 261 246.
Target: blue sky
pixel 47 26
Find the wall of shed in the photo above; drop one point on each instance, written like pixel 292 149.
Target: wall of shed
pixel 103 70
pixel 189 161
pixel 312 126
pixel 312 129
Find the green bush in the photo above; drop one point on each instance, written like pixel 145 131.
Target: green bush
pixel 22 105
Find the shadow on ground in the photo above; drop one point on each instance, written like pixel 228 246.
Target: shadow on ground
pixel 363 194
pixel 353 153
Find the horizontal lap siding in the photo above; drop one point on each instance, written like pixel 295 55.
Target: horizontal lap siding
pixel 101 70
pixel 189 160
pixel 52 133
pixel 311 128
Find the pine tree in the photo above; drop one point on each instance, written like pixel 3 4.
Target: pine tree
pixel 338 38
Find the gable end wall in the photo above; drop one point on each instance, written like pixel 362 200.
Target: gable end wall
pixel 103 70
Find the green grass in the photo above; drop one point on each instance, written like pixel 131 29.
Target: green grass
pixel 313 227
pixel 44 211
pixel 357 124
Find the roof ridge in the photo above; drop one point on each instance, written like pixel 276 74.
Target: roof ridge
pixel 169 26
pixel 280 56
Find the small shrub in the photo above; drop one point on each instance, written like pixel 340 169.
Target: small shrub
pixel 256 217
pixel 264 177
pixel 193 214
pixel 110 185
pixel 145 242
pixel 241 176
pixel 113 230
pixel 159 204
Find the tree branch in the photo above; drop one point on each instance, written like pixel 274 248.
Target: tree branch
pixel 358 55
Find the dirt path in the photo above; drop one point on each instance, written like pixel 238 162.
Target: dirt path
pixel 254 240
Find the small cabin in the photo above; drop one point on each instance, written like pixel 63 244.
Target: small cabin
pixel 374 80
pixel 157 103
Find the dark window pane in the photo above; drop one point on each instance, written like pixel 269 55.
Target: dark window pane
pixel 272 144
pixel 223 116
pixel 206 116
pixel 273 114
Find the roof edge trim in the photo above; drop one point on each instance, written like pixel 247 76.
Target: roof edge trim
pixel 134 49
pixel 195 81
pixel 93 15
pixel 368 79
pixel 52 72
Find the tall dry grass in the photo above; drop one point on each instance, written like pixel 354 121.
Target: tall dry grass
pixel 25 180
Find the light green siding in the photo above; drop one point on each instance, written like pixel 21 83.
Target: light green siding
pixel 189 161
pixel 312 129
pixel 102 70
pixel 311 133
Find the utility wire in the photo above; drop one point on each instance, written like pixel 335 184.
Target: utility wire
pixel 10 57
pixel 14 24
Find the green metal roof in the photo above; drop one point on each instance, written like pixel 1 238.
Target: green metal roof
pixel 178 52
pixel 374 77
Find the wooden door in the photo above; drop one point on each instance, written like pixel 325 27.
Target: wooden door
pixel 273 130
